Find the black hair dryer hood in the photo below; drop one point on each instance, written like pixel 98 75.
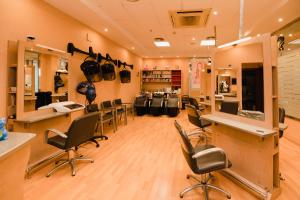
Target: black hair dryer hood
pixel 125 76
pixel 88 89
pixel 91 70
pixel 108 71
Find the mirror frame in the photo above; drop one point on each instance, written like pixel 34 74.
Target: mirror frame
pixel 269 47
pixel 22 46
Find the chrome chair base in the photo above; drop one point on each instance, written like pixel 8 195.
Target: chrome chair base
pixel 204 185
pixel 71 161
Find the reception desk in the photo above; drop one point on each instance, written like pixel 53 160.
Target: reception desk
pixel 14 155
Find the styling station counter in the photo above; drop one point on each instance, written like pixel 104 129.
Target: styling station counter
pixel 14 155
pixel 253 152
pixel 41 152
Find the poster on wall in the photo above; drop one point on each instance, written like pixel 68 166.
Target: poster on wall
pixel 197 67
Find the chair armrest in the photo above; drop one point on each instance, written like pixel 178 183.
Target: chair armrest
pixel 57 132
pixel 198 132
pixel 208 151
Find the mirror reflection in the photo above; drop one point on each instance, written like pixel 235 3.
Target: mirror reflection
pixel 45 79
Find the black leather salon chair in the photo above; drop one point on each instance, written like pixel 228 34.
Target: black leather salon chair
pixel 195 117
pixel 81 130
pixel 202 161
pixel 172 106
pixel 230 107
pixel 156 105
pixel 140 105
pixel 185 99
pixel 194 102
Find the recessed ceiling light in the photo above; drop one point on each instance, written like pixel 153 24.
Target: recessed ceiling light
pixel 258 35
pixel 288 49
pixel 105 29
pixel 215 12
pixel 281 35
pixel 161 43
pixel 280 20
pixel 290 35
pixel 193 39
pixel 208 42
pixel 133 48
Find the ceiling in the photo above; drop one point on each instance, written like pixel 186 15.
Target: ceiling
pixel 134 25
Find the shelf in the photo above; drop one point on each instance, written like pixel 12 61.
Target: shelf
pixel 155 82
pixel 12 92
pixel 13 66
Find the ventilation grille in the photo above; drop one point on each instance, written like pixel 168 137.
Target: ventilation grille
pixel 189 18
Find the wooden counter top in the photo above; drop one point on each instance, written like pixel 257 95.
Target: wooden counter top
pixel 14 141
pixel 255 130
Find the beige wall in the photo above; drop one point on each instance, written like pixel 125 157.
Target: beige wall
pixel 55 29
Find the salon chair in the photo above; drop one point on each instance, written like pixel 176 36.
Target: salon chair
pixel 202 161
pixel 140 105
pixel 172 106
pixel 230 107
pixel 195 118
pixel 194 102
pixel 156 105
pixel 43 99
pixel 81 130
pixel 185 99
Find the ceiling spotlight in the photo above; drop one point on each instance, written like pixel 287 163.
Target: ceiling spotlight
pixel 133 48
pixel 290 35
pixel 288 49
pixel 105 29
pixel 215 12
pixel 258 35
pixel 280 20
pixel 193 39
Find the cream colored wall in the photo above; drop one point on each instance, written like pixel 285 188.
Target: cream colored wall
pixel 55 29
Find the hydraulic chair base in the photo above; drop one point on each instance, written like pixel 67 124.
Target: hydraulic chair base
pixel 71 161
pixel 204 185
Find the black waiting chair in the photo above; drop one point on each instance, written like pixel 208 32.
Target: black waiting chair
pixel 185 99
pixel 230 107
pixel 156 105
pixel 202 161
pixel 172 106
pixel 94 108
pixel 140 105
pixel 121 109
pixel 281 120
pixel 81 130
pixel 108 114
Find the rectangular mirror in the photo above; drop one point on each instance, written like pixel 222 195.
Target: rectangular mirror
pixel 45 79
pixel 239 87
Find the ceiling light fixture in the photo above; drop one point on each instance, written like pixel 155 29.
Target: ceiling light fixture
pixel 234 42
pixel 193 39
pixel 290 35
pixel 106 30
pixel 280 20
pixel 258 35
pixel 297 41
pixel 133 48
pixel 208 42
pixel 160 42
pixel 215 12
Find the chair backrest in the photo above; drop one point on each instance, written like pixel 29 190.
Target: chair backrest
pixel 172 102
pixel 140 101
pixel 186 147
pixel 82 129
pixel 118 102
pixel 230 107
pixel 193 115
pixel 185 98
pixel 92 108
pixel 157 101
pixel 106 104
pixel 194 102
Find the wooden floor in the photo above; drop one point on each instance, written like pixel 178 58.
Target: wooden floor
pixel 143 161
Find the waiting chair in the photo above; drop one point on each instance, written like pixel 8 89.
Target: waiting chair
pixel 94 108
pixel 230 107
pixel 140 105
pixel 281 120
pixel 202 161
pixel 108 112
pixel 185 99
pixel 121 109
pixel 156 105
pixel 172 106
pixel 81 130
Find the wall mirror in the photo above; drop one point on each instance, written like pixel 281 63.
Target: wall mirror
pixel 45 78
pixel 239 88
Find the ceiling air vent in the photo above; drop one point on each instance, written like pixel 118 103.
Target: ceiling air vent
pixel 189 18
